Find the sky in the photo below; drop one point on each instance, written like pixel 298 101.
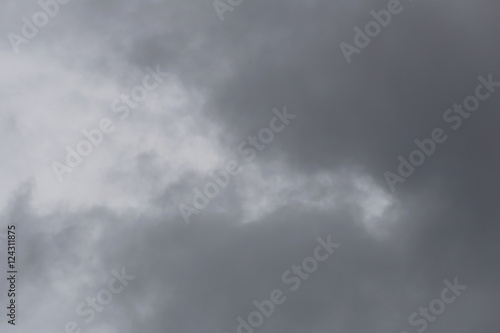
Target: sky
pixel 168 164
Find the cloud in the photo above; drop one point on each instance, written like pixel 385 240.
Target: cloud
pixel 322 176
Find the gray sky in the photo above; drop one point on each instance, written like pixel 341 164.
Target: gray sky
pixel 322 175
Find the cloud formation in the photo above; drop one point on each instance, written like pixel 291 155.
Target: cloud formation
pixel 323 175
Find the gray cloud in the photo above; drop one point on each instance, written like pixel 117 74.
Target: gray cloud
pixel 322 175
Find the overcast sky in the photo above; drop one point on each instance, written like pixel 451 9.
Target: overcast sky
pixel 323 175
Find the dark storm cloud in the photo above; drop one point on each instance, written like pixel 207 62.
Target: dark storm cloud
pixel 205 276
pixel 358 116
